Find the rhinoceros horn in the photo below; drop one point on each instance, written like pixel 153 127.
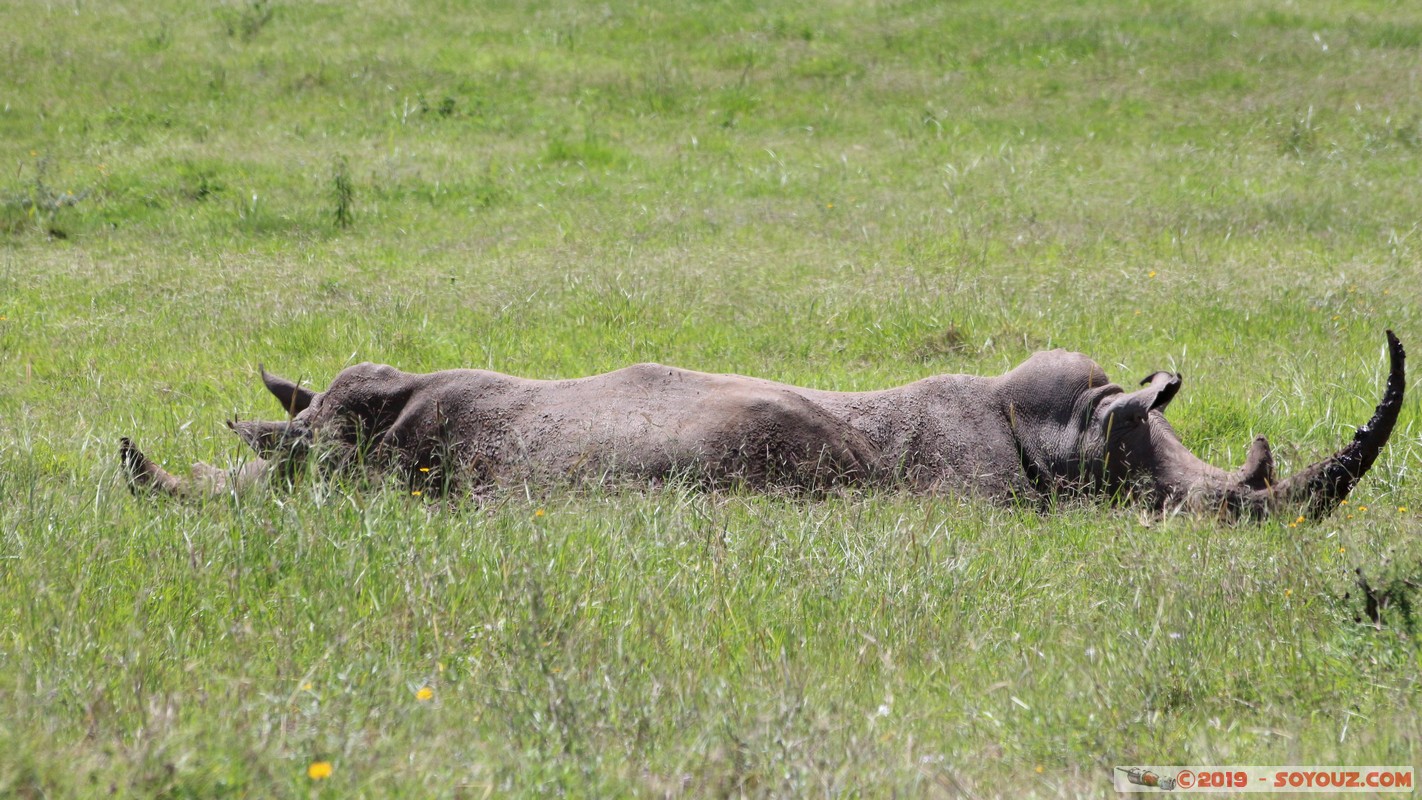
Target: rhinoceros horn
pixel 1320 487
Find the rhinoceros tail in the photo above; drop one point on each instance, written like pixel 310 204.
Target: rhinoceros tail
pixel 143 475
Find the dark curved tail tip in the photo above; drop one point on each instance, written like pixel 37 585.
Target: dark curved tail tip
pixel 141 474
pixel 128 451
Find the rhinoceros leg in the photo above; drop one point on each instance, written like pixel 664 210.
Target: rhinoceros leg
pixel 292 397
pixel 145 476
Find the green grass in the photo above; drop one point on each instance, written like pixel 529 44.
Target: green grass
pixel 841 195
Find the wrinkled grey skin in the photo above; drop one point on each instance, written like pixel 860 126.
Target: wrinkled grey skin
pixel 1053 427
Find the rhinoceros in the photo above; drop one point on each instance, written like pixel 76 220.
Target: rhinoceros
pixel 1054 427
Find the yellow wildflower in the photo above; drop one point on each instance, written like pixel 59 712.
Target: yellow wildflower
pixel 538 513
pixel 319 770
pixel 1288 592
pixel 425 694
pixel 416 493
pixel 1152 274
pixel 1402 509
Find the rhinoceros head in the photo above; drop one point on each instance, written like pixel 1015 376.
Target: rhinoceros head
pixel 1136 451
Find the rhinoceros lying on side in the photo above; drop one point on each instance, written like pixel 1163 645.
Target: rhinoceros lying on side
pixel 1053 427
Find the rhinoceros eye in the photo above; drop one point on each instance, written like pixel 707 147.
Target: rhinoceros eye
pixel 1117 418
pixel 1124 413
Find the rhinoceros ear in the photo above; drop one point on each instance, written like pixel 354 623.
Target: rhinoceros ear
pixel 1133 408
pixel 1164 385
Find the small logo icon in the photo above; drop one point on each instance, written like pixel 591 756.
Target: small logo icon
pixel 1142 777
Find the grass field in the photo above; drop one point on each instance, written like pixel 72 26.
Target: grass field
pixel 845 195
